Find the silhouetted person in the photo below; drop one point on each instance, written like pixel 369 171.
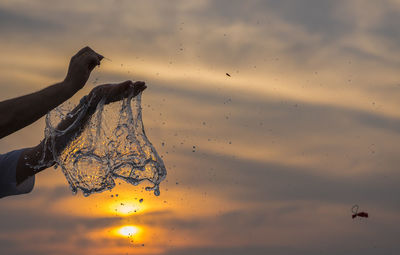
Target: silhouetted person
pixel 17 167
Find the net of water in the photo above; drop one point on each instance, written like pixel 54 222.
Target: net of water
pixel 113 144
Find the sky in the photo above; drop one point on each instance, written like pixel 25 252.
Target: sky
pixel 306 126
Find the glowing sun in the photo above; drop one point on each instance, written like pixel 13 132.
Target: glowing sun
pixel 128 230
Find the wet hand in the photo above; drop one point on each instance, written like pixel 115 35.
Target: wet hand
pixel 115 92
pixel 80 67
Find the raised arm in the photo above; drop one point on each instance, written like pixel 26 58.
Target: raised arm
pixel 74 125
pixel 20 112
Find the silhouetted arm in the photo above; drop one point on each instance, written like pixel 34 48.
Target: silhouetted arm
pixel 20 112
pixel 73 126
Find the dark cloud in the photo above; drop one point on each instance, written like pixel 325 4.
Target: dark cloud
pixel 369 249
pixel 58 233
pixel 248 181
pixel 250 250
pixel 315 16
pixel 387 30
pixel 320 17
pixel 13 23
pixel 19 220
pixel 257 181
pixel 252 108
pixel 52 194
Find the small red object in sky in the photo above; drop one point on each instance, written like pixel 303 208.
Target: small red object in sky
pixel 360 214
pixel 355 212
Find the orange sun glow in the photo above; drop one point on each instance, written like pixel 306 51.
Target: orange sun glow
pixel 128 230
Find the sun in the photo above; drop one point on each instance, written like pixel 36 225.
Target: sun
pixel 128 231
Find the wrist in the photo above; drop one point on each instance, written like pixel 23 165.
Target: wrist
pixel 91 100
pixel 68 87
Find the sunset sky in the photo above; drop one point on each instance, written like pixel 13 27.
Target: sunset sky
pixel 306 126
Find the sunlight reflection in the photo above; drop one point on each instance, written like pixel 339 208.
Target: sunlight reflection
pixel 127 231
pixel 126 208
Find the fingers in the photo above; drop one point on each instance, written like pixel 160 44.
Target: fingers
pixel 136 87
pixel 83 50
pixel 127 85
pixel 127 88
pixel 139 86
pixel 119 91
pixel 87 49
pixel 92 61
pixel 89 57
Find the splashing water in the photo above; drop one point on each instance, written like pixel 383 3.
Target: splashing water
pixel 111 146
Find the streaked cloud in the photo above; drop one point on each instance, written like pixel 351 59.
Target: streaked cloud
pixel 306 126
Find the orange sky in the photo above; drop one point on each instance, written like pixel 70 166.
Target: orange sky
pixel 306 126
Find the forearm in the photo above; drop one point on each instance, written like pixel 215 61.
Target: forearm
pixel 26 162
pixel 73 125
pixel 22 111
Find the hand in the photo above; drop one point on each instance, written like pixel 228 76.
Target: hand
pixel 80 67
pixel 116 92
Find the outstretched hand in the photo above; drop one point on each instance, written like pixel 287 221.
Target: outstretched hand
pixel 80 67
pixel 115 92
